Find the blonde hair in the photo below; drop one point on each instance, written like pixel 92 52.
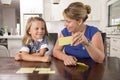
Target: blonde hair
pixel 27 37
pixel 77 10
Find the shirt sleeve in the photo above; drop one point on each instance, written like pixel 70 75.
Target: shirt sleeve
pixel 44 46
pixel 65 32
pixel 44 43
pixel 25 48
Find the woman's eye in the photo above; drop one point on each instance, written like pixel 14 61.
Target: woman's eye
pixel 67 21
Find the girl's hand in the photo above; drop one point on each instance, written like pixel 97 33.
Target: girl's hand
pixel 36 54
pixel 70 60
pixel 18 57
pixel 46 59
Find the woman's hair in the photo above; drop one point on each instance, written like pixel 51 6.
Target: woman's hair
pixel 77 10
pixel 27 37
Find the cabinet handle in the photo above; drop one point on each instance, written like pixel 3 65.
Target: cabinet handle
pixel 115 40
pixel 115 49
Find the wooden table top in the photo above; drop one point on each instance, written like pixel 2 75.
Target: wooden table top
pixel 109 70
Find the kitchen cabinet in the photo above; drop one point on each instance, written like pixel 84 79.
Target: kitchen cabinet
pixel 3 42
pixel 29 7
pixel 107 48
pixel 13 44
pixel 53 12
pixel 115 47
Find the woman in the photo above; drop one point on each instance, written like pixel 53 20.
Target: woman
pixel 86 40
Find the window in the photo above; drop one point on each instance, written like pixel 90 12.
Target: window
pixel 114 14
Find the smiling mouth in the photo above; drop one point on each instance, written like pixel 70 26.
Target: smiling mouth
pixel 69 28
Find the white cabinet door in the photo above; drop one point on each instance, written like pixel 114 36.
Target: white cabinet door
pixel 14 46
pixel 115 47
pixel 47 10
pixel 31 6
pixel 54 12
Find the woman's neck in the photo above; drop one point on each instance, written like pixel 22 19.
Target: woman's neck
pixel 81 29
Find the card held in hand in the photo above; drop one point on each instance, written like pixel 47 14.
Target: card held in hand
pixel 65 40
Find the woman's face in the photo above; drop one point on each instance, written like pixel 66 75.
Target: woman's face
pixel 37 30
pixel 72 25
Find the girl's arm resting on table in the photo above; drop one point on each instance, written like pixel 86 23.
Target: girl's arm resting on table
pixel 41 52
pixel 27 57
pixel 18 57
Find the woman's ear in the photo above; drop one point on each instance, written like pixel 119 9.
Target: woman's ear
pixel 80 21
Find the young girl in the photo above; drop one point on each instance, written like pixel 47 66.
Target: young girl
pixel 35 41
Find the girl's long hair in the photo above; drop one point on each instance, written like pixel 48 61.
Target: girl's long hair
pixel 27 37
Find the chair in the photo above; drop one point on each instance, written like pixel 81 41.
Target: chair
pixel 3 51
pixel 104 42
pixel 51 42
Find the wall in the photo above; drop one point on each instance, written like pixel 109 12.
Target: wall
pixel 55 26
pixel 0 18
pixel 9 18
pixel 29 7
pixel 108 30
pixel 53 14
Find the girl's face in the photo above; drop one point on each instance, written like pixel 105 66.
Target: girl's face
pixel 72 25
pixel 37 30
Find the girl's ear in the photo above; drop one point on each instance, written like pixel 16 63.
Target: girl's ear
pixel 29 32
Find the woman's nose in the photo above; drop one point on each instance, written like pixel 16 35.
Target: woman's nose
pixel 65 24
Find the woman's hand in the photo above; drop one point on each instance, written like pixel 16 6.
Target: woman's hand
pixel 78 38
pixel 70 60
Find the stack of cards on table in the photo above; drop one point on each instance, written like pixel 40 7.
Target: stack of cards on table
pixel 65 40
pixel 40 70
pixel 44 71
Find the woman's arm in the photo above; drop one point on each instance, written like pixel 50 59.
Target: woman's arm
pixel 58 53
pixel 96 48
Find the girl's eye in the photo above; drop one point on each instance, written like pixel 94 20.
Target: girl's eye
pixel 37 28
pixel 42 28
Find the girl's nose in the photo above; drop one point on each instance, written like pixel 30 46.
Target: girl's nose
pixel 40 30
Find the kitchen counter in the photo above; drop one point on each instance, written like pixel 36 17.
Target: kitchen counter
pixel 113 47
pixel 113 35
pixel 11 37
pixel 12 42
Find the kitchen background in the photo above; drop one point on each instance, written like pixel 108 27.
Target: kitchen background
pixel 104 15
pixel 16 13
